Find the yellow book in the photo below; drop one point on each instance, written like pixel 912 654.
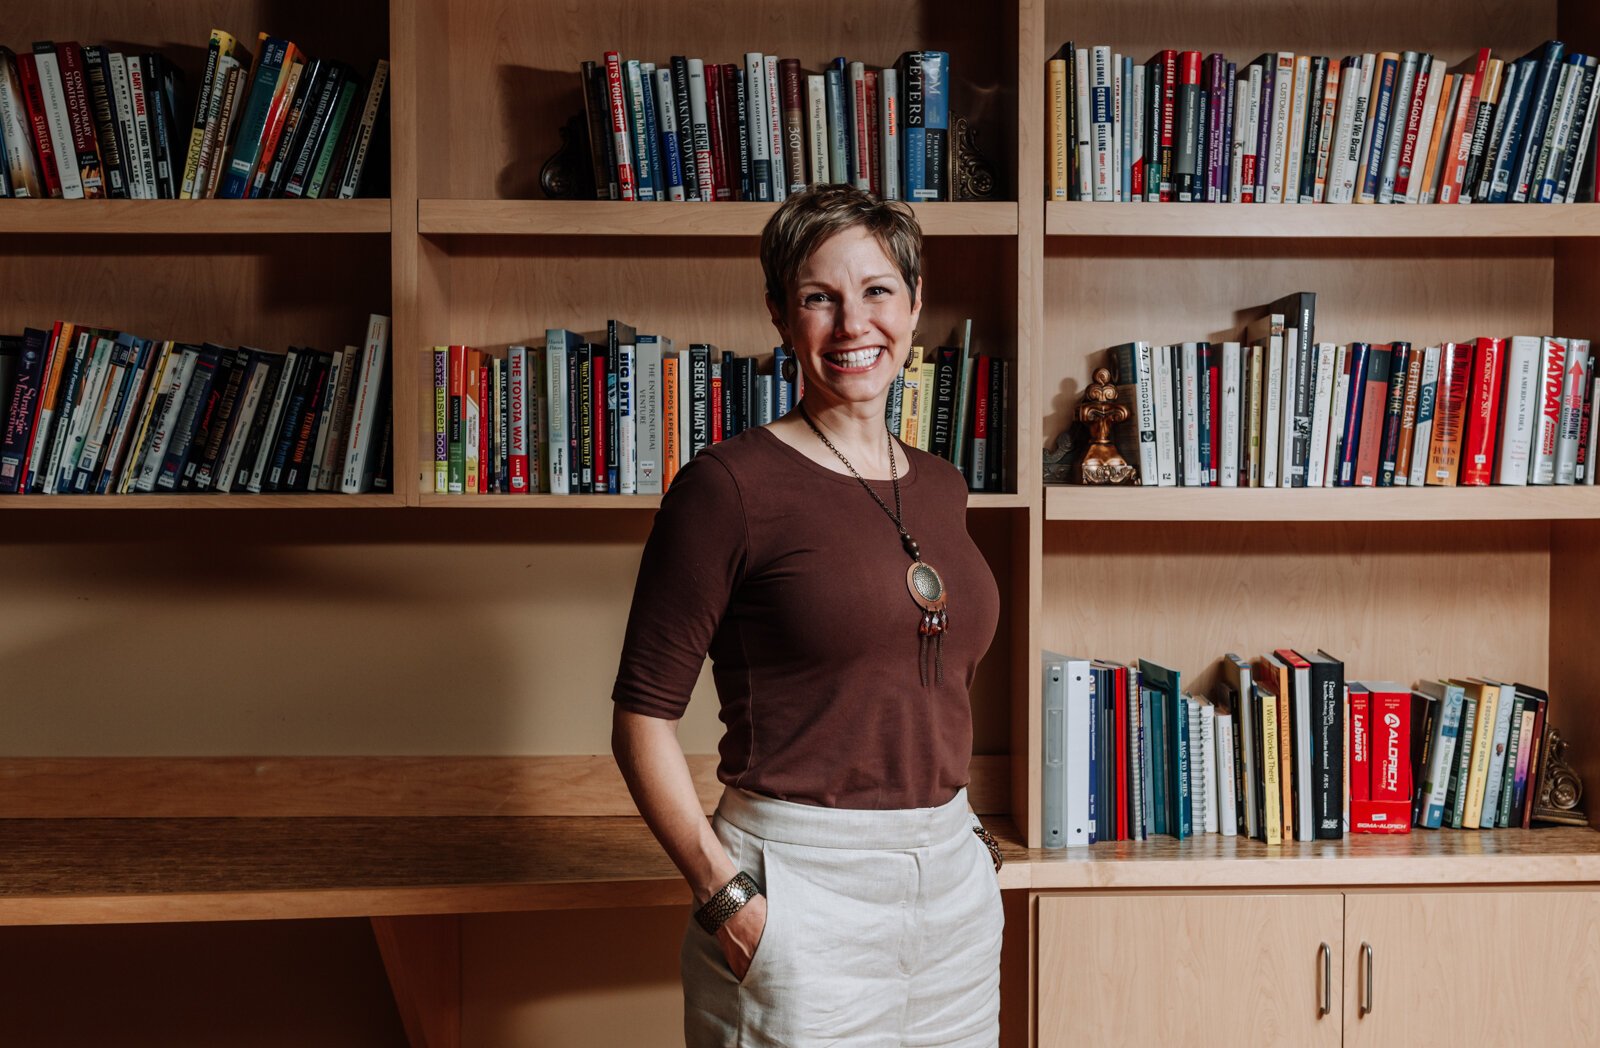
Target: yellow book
pixel 910 397
pixel 1488 697
pixel 1058 129
pixel 220 47
pixel 1272 815
pixel 927 387
pixel 441 418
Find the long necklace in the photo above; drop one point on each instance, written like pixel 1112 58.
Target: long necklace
pixel 926 585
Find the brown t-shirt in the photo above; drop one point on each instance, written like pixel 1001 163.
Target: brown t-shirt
pixel 793 580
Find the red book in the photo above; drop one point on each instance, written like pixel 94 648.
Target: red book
pixel 1119 761
pixel 1389 721
pixel 484 465
pixel 458 381
pixel 1216 415
pixel 717 121
pixel 602 419
pixel 1374 409
pixel 977 462
pixel 1449 413
pixel 1359 741
pixel 792 90
pixel 621 137
pixel 716 405
pixel 39 123
pixel 69 57
pixel 1483 416
pixel 1534 757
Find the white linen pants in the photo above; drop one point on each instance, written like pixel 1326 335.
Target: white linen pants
pixel 883 930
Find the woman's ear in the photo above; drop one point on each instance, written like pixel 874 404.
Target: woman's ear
pixel 916 303
pixel 775 311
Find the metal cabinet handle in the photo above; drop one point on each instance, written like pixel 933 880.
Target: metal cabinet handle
pixel 1366 979
pixel 1325 1000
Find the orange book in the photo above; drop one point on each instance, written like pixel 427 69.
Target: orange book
pixel 669 419
pixel 1441 122
pixel 1459 149
pixel 1408 417
pixel 1450 413
pixel 49 406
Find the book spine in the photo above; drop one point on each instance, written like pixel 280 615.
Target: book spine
pixel 1575 385
pixel 358 467
pixel 914 133
pixel 639 135
pixel 57 120
pixel 817 129
pixel 517 424
pixel 722 172
pixel 774 126
pixel 700 130
pixel 621 136
pixel 1552 388
pixel 760 140
pixel 80 120
pixel 1477 449
pixel 264 88
pixel 139 90
pixel 1393 413
pixel 683 127
pixel 794 138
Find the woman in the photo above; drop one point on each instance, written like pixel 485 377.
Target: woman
pixel 842 893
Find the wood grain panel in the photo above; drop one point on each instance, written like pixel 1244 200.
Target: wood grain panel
pixel 734 218
pixel 1187 970
pixel 1244 28
pixel 1493 967
pixel 1091 503
pixel 1100 293
pixel 422 956
pixel 1574 624
pixel 1289 221
pixel 267 292
pixel 1214 862
pixel 360 787
pixel 353 31
pixel 195 217
pixel 518 65
pixel 1393 601
pixel 116 871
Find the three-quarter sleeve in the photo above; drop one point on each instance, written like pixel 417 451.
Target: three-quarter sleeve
pixel 692 562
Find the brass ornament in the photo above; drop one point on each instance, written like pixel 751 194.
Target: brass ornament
pixel 1099 411
pixel 972 177
pixel 1560 789
pixel 568 174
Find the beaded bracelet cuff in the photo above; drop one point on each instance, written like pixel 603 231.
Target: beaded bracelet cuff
pixel 730 898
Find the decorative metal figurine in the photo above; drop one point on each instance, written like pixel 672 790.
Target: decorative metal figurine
pixel 1058 460
pixel 1099 411
pixel 567 175
pixel 1560 789
pixel 972 177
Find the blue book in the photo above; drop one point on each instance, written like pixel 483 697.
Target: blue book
pixel 1173 734
pixel 1129 104
pixel 936 123
pixel 1383 86
pixel 639 138
pixel 1516 123
pixel 671 145
pixel 1180 748
pixel 842 105
pixel 1355 396
pixel 652 134
pixel 1539 114
pixel 247 143
pixel 784 389
pixel 1151 703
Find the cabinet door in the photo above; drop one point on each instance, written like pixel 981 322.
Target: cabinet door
pixel 1491 967
pixel 1189 969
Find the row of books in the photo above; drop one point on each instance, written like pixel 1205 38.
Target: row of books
pixel 1283 750
pixel 1279 409
pixel 765 128
pixel 91 122
pixel 92 411
pixel 1386 127
pixel 619 415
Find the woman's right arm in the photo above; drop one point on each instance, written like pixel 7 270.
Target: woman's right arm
pixel 653 765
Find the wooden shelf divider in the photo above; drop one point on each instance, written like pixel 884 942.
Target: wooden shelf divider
pixel 614 219
pixel 1269 505
pixel 195 217
pixel 1321 221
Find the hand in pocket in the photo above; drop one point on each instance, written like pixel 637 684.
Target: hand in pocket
pixel 741 936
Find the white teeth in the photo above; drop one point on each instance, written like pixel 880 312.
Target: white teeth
pixel 857 357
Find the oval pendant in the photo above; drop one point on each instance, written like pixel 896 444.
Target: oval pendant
pixel 926 587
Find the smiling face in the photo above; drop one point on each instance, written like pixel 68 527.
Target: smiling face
pixel 849 320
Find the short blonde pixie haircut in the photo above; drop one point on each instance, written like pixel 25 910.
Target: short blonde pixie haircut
pixel 810 217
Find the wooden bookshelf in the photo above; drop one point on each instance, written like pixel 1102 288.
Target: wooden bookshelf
pixel 1491 581
pixel 727 219
pixel 195 217
pixel 1267 505
pixel 1328 221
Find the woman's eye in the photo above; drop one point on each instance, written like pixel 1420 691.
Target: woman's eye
pixel 878 290
pixel 815 297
